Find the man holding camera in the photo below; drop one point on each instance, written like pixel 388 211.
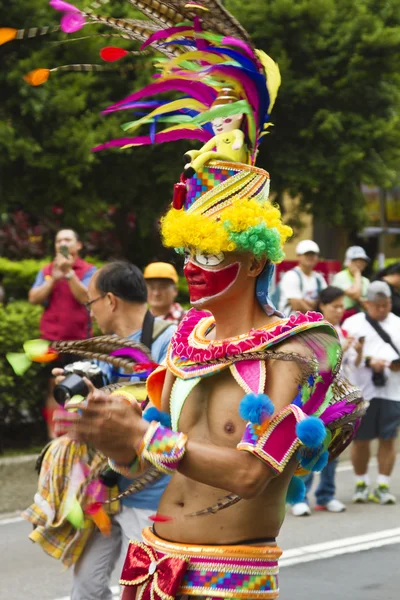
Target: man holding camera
pixel 378 377
pixel 61 287
pixel 117 300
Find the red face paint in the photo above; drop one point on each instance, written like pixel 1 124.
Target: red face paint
pixel 206 283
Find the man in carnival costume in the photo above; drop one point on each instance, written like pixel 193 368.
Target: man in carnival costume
pixel 255 399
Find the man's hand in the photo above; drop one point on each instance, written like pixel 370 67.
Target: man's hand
pixel 63 264
pixel 377 364
pixel 353 269
pixel 109 423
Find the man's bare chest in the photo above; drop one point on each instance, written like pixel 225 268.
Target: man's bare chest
pixel 210 412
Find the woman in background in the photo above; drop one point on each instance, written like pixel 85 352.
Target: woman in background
pixel 331 305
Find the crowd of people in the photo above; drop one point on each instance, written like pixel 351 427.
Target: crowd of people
pixel 367 320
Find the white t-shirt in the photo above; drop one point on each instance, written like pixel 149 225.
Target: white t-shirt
pixel 295 284
pixel 374 347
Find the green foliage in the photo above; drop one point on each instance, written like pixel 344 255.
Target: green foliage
pixel 18 276
pixel 337 117
pixel 21 398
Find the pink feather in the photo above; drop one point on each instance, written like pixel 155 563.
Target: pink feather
pixel 63 6
pixel 163 34
pixel 196 89
pixel 232 41
pixel 137 355
pixel 337 411
pixel 160 138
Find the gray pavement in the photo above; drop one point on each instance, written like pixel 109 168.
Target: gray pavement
pixel 26 572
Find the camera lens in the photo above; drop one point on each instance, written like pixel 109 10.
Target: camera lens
pixel 71 386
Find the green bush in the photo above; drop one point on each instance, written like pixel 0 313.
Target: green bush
pixel 21 398
pixel 19 275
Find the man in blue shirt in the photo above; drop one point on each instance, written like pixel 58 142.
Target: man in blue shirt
pixel 118 303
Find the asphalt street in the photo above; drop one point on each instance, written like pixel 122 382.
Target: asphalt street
pixel 354 555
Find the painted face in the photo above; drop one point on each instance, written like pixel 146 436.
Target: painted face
pixel 206 280
pixel 222 125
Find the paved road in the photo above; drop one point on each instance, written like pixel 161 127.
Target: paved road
pixel 351 555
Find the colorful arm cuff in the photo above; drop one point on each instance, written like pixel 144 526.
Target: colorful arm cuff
pixel 274 441
pixel 162 447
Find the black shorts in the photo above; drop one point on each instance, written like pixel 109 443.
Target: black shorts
pixel 382 420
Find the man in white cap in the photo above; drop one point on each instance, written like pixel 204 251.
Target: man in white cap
pixel 351 280
pixel 378 377
pixel 299 287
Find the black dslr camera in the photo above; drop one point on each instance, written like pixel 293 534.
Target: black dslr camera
pixel 73 384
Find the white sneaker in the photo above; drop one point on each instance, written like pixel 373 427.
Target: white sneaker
pixel 301 509
pixel 333 505
pixel 382 495
pixel 361 493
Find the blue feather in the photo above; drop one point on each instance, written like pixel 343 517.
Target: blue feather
pixel 296 491
pixel 311 432
pixel 153 414
pixel 256 408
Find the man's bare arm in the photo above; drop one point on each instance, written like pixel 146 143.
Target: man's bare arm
pixel 41 293
pixel 77 288
pixel 117 428
pixel 301 304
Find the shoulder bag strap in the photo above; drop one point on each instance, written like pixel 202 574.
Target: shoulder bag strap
pixel 382 333
pixel 147 330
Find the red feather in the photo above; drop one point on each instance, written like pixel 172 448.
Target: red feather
pixel 111 53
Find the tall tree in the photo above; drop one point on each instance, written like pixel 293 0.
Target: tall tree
pixel 337 119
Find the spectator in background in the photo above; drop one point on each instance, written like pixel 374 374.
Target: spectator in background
pixel 61 286
pixel 118 303
pixel 351 280
pixel 331 305
pixel 299 288
pixel 378 377
pixel 391 275
pixel 162 286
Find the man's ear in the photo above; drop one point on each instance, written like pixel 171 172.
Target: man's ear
pixel 257 266
pixel 112 301
pixel 79 246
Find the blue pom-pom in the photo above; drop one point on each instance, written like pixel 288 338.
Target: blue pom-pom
pixel 311 432
pixel 296 491
pixel 153 414
pixel 321 462
pixel 256 408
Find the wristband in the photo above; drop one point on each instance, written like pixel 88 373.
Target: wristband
pixel 69 275
pixel 162 447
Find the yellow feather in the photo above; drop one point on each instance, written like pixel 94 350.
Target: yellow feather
pixel 166 108
pixel 273 76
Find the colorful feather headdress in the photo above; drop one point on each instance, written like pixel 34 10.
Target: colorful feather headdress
pixel 202 50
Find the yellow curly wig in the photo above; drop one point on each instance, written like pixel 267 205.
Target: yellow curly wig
pixel 247 225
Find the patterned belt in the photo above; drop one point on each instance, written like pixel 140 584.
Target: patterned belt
pixel 161 570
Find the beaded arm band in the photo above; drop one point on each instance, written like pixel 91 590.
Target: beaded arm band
pixel 162 447
pixel 275 441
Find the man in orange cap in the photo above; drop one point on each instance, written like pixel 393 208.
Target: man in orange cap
pixel 162 279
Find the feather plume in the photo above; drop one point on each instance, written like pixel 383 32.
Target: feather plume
pixel 173 135
pixel 221 504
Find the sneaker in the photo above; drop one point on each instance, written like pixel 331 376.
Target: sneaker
pixel 361 493
pixel 301 509
pixel 382 495
pixel 333 505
